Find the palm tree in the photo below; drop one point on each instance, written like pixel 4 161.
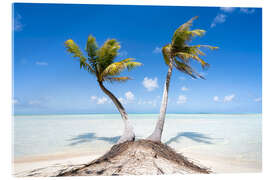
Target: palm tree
pixel 100 63
pixel 178 54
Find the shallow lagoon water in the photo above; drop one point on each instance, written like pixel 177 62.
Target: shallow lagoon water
pixel 231 136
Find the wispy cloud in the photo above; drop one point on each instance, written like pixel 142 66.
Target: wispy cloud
pixel 34 102
pixel 181 99
pixel 216 98
pixel 219 19
pixel 182 78
pixel 102 100
pixel 93 98
pixel 184 88
pixel 229 98
pixel 148 102
pixel 129 96
pixel 99 100
pixel 258 99
pixel 150 84
pixel 40 63
pixel 247 10
pixel 157 50
pixel 227 9
pixel 153 102
pixel 17 24
pixel 122 100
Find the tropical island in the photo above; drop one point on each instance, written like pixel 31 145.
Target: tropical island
pixel 139 150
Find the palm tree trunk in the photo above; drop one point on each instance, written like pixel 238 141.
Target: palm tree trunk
pixel 156 135
pixel 128 134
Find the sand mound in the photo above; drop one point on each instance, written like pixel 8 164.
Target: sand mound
pixel 142 157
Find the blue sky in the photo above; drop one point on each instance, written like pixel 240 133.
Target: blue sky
pixel 48 80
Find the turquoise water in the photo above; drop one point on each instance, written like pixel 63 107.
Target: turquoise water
pixel 226 135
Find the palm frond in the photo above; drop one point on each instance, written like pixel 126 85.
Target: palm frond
pixel 186 69
pixel 197 32
pixel 206 46
pixel 74 49
pixel 117 67
pixel 91 47
pixel 182 34
pixel 117 79
pixel 166 52
pixel 185 57
pixel 108 52
pixel 187 25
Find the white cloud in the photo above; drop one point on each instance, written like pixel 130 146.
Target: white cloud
pixel 102 100
pixel 227 9
pixel 150 102
pixel 184 88
pixel 219 19
pixel 93 98
pixel 181 99
pixel 129 96
pixel 216 98
pixel 99 100
pixel 258 99
pixel 17 25
pixel 229 98
pixel 39 63
pixel 157 50
pixel 247 10
pixel 122 100
pixel 150 84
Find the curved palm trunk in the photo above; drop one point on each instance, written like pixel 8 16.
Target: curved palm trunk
pixel 156 135
pixel 128 134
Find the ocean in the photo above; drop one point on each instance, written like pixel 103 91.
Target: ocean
pixel 231 136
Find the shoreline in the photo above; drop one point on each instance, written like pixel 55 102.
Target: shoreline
pixel 55 161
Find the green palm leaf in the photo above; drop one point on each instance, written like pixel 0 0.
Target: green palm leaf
pixel 187 69
pixel 185 57
pixel 74 49
pixel 91 47
pixel 117 67
pixel 166 52
pixel 117 79
pixel 107 53
pixel 101 60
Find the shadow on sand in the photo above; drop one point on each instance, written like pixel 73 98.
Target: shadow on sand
pixel 88 137
pixel 197 137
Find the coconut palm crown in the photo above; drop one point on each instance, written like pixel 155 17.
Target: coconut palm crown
pixel 178 53
pixel 100 63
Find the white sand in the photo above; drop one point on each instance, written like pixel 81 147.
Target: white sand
pixel 217 164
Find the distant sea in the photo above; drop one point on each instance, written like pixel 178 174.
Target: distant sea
pixel 227 135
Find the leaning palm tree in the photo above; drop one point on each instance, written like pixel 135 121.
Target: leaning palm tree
pixel 100 63
pixel 178 54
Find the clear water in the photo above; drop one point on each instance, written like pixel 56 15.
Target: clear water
pixel 226 135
